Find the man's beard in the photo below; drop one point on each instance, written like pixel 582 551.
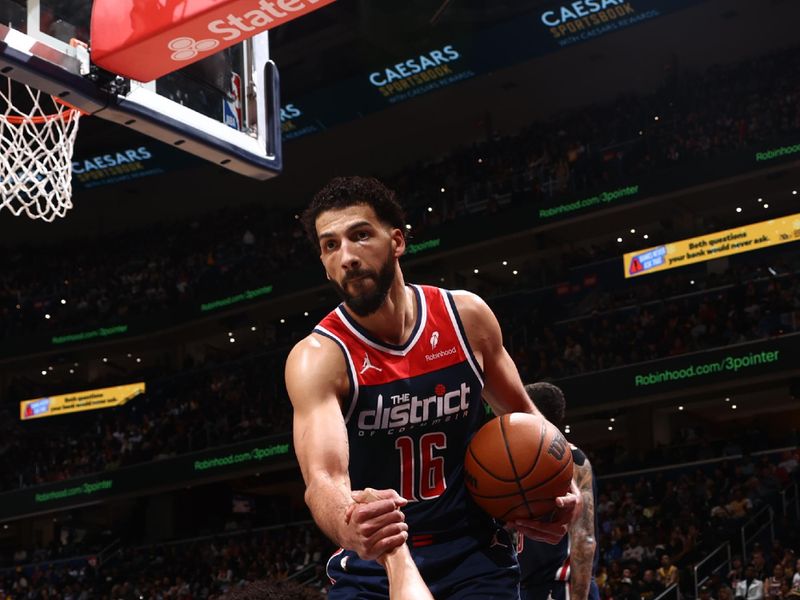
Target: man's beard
pixel 367 303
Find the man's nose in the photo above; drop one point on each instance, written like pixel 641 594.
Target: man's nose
pixel 350 259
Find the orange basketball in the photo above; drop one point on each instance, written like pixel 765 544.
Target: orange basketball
pixel 516 466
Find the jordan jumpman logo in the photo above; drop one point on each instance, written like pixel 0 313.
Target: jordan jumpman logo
pixel 368 365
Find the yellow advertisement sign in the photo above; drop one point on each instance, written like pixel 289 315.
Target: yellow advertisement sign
pixel 53 406
pixel 713 245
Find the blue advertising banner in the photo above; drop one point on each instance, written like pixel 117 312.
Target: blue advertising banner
pixel 450 61
pixel 119 165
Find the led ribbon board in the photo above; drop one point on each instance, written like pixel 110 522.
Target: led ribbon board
pixel 52 406
pixel 713 245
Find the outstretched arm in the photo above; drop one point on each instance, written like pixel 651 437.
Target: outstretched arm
pixel 316 378
pixel 505 393
pixel 582 535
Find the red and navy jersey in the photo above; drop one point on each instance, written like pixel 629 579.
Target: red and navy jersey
pixel 412 410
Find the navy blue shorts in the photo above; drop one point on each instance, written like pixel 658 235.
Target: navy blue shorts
pixel 554 590
pixel 464 568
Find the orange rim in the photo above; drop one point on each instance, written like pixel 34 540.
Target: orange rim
pixel 67 115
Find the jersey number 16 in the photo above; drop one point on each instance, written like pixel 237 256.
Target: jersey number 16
pixel 421 472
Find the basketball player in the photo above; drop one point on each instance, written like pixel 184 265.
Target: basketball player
pixel 563 571
pixel 387 394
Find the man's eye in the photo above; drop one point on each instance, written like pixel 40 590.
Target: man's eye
pixel 362 235
pixel 330 245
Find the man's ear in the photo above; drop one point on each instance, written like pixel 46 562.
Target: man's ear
pixel 398 242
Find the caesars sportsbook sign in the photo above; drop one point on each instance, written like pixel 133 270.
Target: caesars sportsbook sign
pixel 444 58
pixel 146 40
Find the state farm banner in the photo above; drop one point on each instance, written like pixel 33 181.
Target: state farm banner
pixel 146 40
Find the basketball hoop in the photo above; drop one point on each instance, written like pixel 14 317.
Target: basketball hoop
pixel 37 136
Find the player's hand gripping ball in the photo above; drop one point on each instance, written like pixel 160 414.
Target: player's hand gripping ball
pixel 516 466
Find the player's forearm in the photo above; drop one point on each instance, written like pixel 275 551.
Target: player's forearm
pixel 581 535
pixel 328 501
pixel 581 557
pixel 405 582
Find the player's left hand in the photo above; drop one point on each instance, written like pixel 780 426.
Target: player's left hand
pixel 568 507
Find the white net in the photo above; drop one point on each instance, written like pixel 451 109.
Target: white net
pixel 37 136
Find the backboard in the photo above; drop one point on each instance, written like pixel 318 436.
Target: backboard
pixel 225 108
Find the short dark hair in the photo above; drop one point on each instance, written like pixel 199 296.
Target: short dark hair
pixel 341 192
pixel 549 399
pixel 271 590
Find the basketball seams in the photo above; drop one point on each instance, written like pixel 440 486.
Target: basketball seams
pixel 549 479
pixel 513 508
pixel 542 435
pixel 526 490
pixel 482 466
pixel 514 466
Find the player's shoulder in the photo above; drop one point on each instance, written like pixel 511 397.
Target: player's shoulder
pixel 478 320
pixel 464 296
pixel 579 458
pixel 316 346
pixel 582 469
pixel 316 356
pixel 470 305
pixel 316 371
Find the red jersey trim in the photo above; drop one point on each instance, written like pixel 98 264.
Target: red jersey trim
pixel 563 571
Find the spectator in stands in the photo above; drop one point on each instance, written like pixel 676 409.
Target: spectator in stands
pixel 649 587
pixel 736 573
pixel 739 505
pixel 667 573
pixel 705 593
pixel 601 577
pixel 633 550
pixel 750 588
pixel 759 562
pixel 679 543
pixel 626 590
pixel 773 585
pixel 795 587
pixel 778 553
pixel 725 593
pixel 788 560
pixel 650 557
